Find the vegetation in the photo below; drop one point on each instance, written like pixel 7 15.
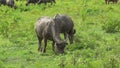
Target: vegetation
pixel 96 43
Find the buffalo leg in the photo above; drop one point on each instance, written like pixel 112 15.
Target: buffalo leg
pixel 106 1
pixel 70 39
pixel 45 44
pixel 45 2
pixel 65 36
pixel 39 43
pixel 115 2
pixel 51 2
pixel 39 1
pixel 54 1
pixel 53 46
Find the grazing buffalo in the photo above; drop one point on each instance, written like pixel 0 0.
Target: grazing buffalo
pixel 114 1
pixel 65 25
pixel 10 3
pixel 31 1
pixel 39 1
pixel 47 29
pixel 45 1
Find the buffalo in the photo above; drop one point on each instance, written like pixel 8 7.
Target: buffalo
pixel 10 3
pixel 65 25
pixel 47 29
pixel 31 1
pixel 39 1
pixel 114 1
pixel 45 1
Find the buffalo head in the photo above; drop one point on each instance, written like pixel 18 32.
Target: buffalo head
pixel 59 47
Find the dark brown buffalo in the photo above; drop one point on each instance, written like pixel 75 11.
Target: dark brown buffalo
pixel 31 1
pixel 47 29
pixel 45 1
pixel 114 1
pixel 65 25
pixel 39 1
pixel 10 3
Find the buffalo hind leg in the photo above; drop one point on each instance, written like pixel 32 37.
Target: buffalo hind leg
pixel 45 44
pixel 106 1
pixel 39 43
pixel 53 46
pixel 54 1
pixel 45 2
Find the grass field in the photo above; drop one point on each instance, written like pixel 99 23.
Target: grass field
pixel 96 43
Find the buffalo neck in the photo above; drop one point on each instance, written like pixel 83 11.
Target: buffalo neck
pixel 55 33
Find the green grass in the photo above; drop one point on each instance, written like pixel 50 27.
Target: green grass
pixel 96 43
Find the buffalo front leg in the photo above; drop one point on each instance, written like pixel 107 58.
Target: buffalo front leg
pixel 65 36
pixel 51 3
pixel 39 1
pixel 115 2
pixel 106 2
